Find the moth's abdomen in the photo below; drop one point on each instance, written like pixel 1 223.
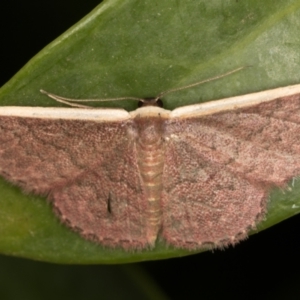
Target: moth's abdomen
pixel 150 149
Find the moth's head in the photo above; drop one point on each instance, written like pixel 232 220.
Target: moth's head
pixel 150 102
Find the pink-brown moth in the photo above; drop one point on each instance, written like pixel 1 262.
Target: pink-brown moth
pixel 197 176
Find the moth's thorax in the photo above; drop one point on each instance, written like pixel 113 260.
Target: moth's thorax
pixel 150 149
pixel 150 111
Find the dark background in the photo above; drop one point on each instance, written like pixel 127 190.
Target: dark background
pixel 266 266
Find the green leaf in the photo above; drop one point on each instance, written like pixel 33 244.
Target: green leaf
pixel 24 279
pixel 140 48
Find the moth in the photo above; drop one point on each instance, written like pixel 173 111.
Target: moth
pixel 198 176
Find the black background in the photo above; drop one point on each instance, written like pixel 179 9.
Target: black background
pixel 266 266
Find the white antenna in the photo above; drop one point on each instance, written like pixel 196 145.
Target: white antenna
pixel 70 101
